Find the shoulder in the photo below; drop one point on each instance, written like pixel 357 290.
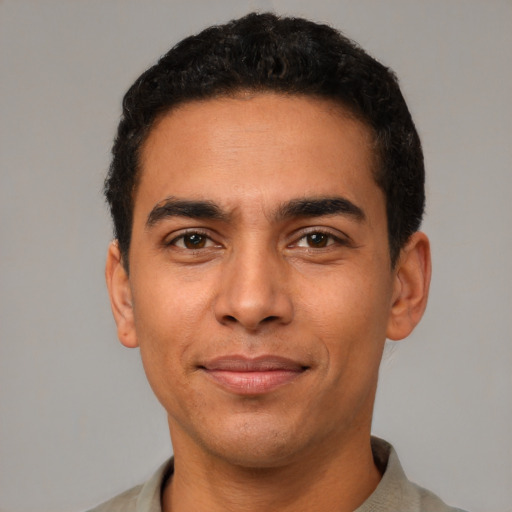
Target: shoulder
pixel 426 500
pixel 125 502
pixel 395 492
pixel 142 498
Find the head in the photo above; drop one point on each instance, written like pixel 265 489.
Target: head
pixel 262 52
pixel 266 187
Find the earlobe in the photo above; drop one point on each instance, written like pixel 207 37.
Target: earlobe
pixel 120 294
pixel 411 286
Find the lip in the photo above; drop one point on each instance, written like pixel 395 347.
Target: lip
pixel 252 376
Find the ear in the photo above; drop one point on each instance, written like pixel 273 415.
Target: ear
pixel 412 281
pixel 118 284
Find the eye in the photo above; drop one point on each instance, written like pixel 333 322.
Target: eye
pixel 318 240
pixel 192 241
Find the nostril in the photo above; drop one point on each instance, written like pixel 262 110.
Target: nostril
pixel 266 320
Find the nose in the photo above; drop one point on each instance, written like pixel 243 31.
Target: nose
pixel 254 291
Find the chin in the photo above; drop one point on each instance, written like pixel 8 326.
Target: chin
pixel 255 444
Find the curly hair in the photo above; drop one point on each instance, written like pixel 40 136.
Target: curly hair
pixel 264 52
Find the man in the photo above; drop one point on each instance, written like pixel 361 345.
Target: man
pixel 267 187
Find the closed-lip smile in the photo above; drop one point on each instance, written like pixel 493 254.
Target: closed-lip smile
pixel 252 376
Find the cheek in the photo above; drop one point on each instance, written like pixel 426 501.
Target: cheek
pixel 352 298
pixel 169 321
pixel 349 315
pixel 167 306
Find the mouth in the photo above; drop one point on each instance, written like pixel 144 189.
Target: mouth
pixel 252 376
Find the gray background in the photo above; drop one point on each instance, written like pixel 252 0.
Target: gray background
pixel 78 422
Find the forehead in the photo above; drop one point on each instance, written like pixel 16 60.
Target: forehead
pixel 266 147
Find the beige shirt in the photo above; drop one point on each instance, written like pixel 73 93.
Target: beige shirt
pixel 393 494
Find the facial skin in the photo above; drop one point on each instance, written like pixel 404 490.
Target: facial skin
pixel 261 317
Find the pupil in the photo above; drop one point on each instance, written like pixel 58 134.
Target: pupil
pixel 318 239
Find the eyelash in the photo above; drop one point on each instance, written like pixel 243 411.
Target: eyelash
pixel 182 236
pixel 331 239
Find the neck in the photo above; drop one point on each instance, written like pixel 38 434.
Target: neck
pixel 335 479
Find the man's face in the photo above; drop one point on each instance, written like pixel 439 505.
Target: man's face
pixel 260 279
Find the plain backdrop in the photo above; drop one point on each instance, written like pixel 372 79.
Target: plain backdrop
pixel 78 422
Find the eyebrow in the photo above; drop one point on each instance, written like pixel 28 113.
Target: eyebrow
pixel 305 207
pixel 320 206
pixel 173 207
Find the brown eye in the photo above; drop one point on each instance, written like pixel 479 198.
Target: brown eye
pixel 194 241
pixel 317 240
